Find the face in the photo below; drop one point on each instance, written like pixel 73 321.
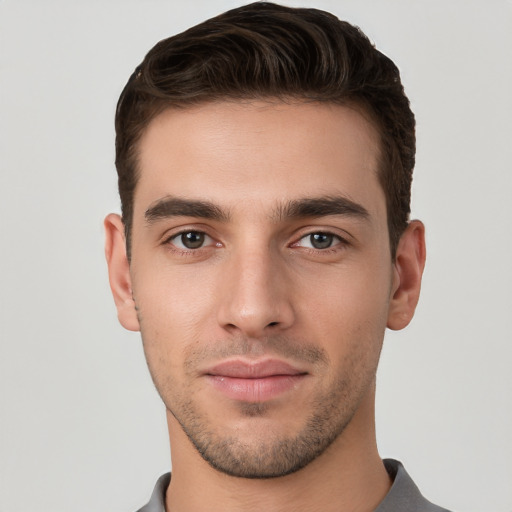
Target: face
pixel 261 277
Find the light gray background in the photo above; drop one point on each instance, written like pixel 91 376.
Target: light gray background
pixel 81 427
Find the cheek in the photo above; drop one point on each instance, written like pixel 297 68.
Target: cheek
pixel 350 294
pixel 171 301
pixel 175 314
pixel 349 311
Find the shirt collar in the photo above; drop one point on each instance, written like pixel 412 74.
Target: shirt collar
pixel 404 495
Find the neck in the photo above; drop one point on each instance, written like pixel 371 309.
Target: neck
pixel 349 475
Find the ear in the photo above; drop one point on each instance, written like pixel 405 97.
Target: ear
pixel 408 269
pixel 119 272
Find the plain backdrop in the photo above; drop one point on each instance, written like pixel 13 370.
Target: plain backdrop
pixel 81 427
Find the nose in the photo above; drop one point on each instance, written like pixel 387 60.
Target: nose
pixel 256 297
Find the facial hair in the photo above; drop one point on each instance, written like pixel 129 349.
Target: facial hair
pixel 268 454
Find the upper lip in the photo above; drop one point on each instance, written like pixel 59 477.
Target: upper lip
pixel 242 369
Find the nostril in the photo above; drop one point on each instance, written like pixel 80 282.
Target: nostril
pixel 272 324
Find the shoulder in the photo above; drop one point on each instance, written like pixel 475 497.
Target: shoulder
pixel 157 500
pixel 404 495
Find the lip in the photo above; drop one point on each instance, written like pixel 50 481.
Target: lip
pixel 254 381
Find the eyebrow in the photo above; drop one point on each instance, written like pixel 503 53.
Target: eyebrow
pixel 321 207
pixel 171 206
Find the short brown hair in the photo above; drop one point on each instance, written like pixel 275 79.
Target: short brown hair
pixel 263 50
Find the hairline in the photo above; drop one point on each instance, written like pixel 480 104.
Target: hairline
pixel 354 102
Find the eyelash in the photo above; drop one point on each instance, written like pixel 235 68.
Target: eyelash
pixel 340 244
pixel 185 251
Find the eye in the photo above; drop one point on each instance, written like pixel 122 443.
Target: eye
pixel 318 241
pixel 191 240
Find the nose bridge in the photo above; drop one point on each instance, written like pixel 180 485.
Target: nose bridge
pixel 256 296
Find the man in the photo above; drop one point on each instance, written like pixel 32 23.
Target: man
pixel 265 161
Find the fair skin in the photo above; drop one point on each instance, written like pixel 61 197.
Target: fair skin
pixel 262 282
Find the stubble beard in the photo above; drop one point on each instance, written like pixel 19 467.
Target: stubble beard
pixel 269 455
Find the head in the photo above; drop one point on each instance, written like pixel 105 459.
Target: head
pixel 265 161
pixel 266 51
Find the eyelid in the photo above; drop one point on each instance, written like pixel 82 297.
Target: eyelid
pixel 305 243
pixel 171 235
pixel 343 237
pixel 336 241
pixel 176 241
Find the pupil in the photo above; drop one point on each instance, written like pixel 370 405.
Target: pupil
pixel 321 240
pixel 192 239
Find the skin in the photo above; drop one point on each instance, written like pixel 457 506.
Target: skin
pixel 258 287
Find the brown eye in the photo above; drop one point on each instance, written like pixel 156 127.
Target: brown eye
pixel 321 240
pixel 190 240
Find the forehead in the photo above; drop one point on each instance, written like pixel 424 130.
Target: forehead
pixel 259 153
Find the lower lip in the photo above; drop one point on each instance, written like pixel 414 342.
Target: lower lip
pixel 255 390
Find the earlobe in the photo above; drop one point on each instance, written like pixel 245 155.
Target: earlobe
pixel 119 272
pixel 408 270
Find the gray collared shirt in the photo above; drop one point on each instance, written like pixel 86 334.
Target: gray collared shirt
pixel 403 496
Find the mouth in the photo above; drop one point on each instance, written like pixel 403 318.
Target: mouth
pixel 254 381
